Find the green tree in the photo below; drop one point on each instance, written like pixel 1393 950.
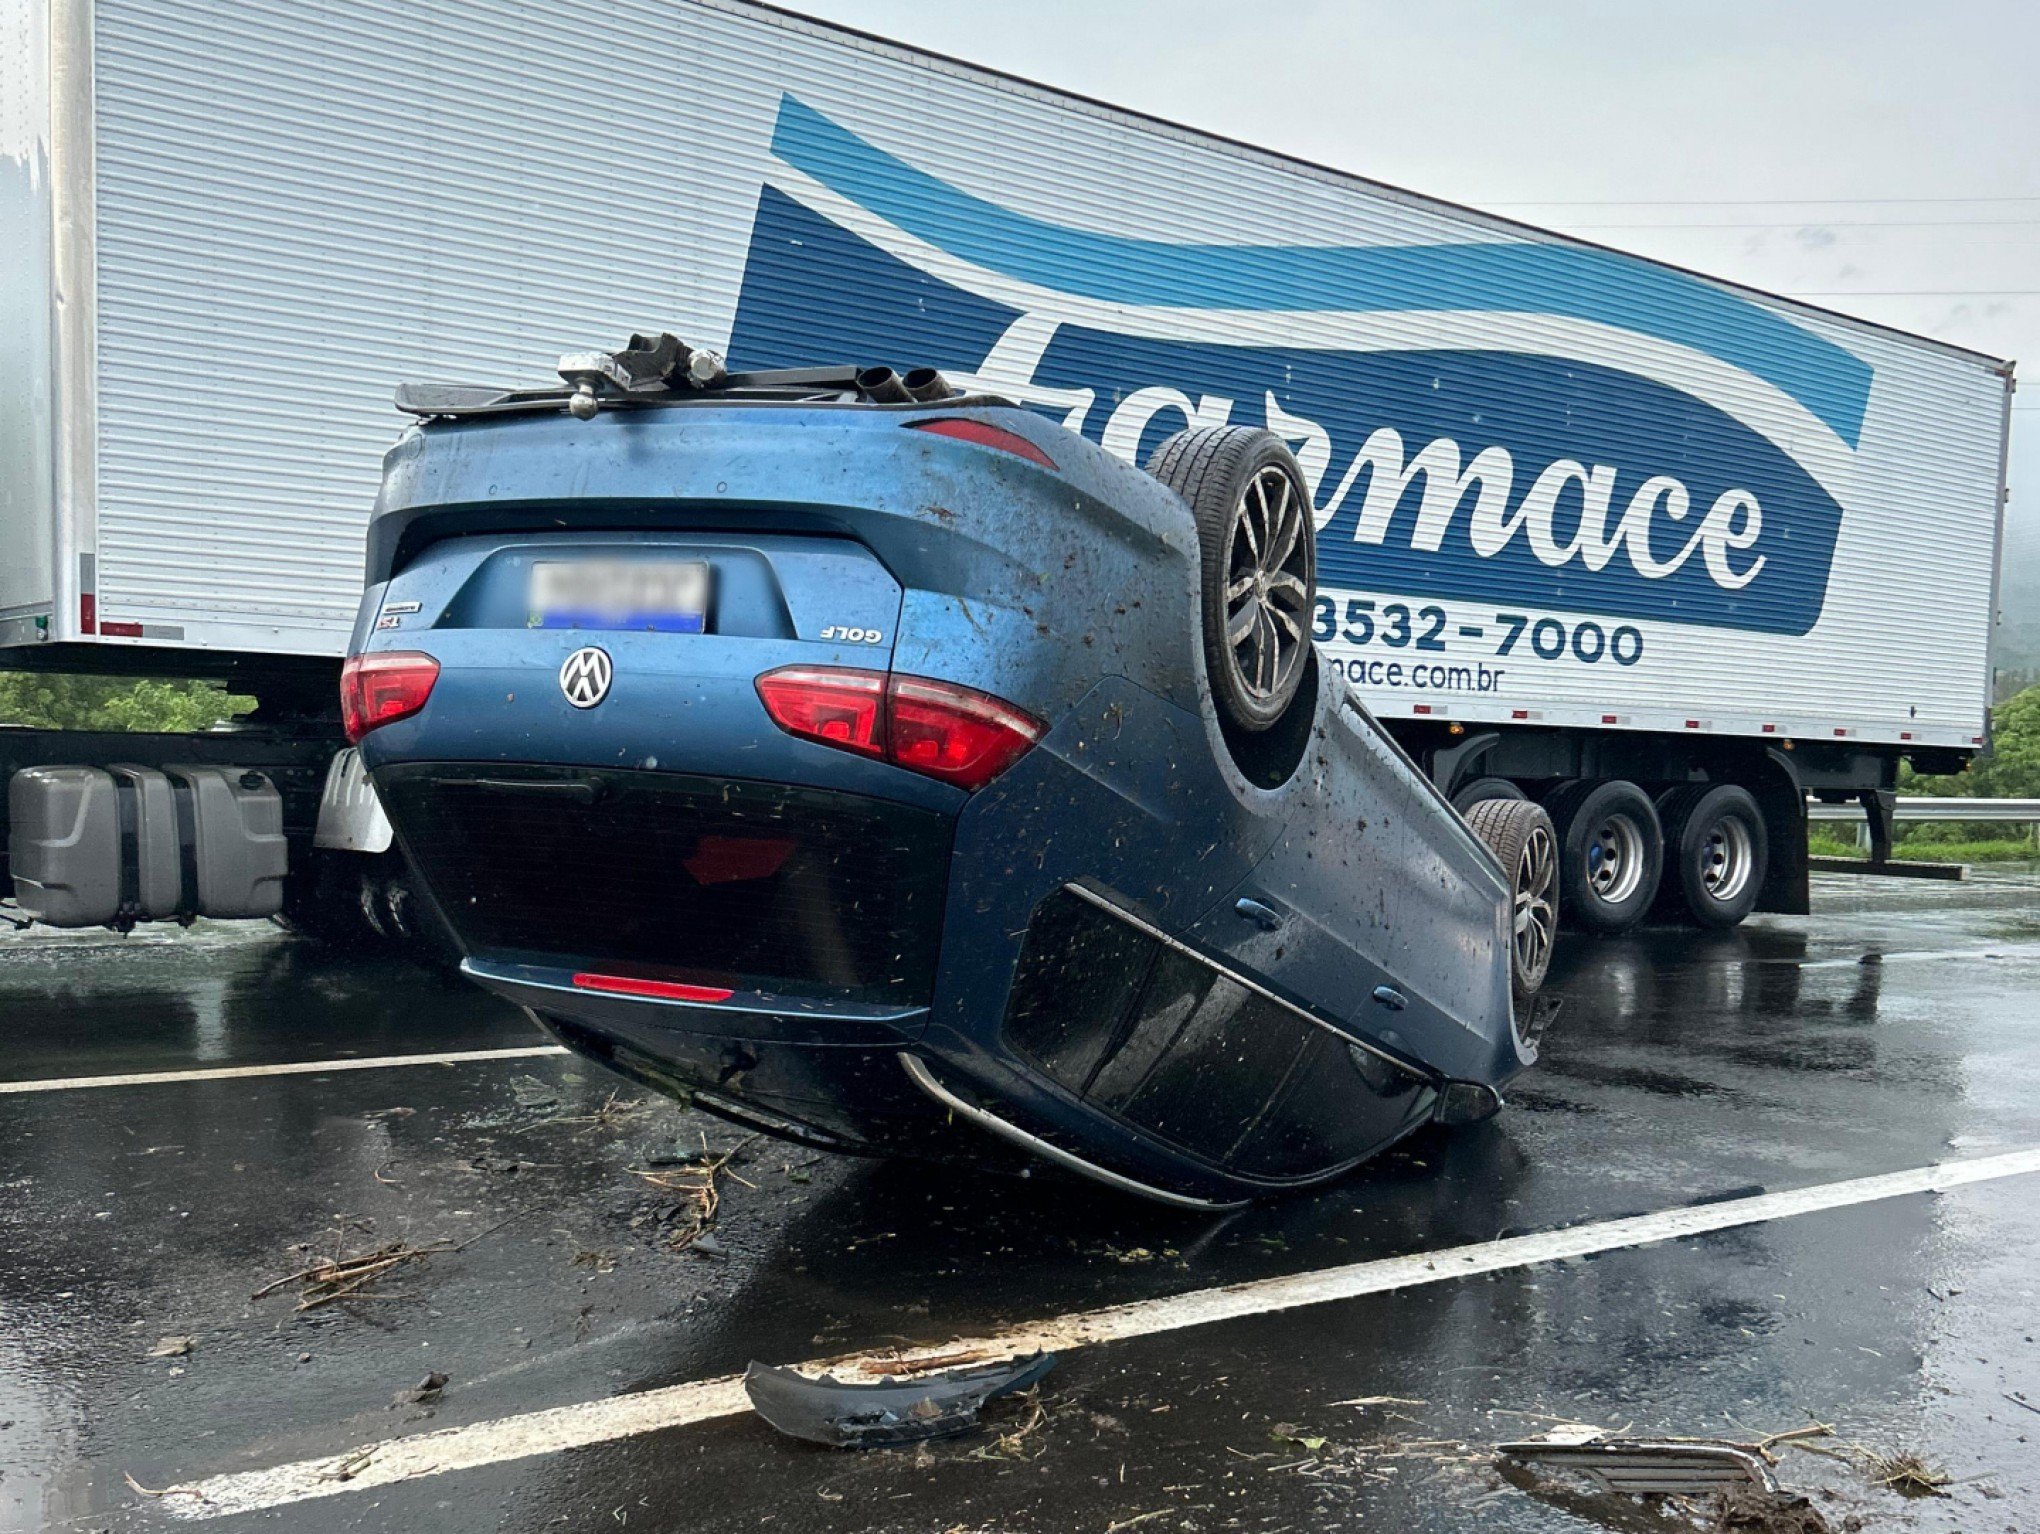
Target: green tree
pixel 61 701
pixel 2010 769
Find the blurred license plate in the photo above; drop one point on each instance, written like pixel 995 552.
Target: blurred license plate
pixel 667 597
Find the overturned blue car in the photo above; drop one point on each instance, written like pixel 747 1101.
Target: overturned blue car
pixel 893 771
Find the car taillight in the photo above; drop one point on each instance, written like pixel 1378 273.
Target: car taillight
pixel 978 434
pixel 957 734
pixel 945 731
pixel 388 685
pixel 832 704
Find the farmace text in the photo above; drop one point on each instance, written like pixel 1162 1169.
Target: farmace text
pixel 1731 525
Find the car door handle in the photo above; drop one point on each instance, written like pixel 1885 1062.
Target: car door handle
pixel 1391 998
pixel 1259 912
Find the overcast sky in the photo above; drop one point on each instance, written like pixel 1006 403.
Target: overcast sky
pixel 1881 157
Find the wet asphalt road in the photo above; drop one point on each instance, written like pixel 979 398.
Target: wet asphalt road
pixel 1684 1068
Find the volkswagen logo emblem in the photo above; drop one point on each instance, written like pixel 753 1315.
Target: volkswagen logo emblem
pixel 586 675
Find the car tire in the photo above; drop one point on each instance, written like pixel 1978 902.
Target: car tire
pixel 1524 841
pixel 1481 789
pixel 1717 852
pixel 1611 852
pixel 1258 554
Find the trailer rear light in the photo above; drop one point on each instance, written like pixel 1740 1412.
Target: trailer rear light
pixel 978 434
pixel 378 689
pixel 663 990
pixel 939 729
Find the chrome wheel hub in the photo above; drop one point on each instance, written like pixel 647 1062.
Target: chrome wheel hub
pixel 1726 858
pixel 1615 859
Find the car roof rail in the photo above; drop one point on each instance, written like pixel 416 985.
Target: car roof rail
pixel 663 370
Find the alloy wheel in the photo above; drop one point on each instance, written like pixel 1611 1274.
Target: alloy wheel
pixel 1267 593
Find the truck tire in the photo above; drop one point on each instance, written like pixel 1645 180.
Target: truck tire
pixel 1481 789
pixel 1257 547
pixel 326 900
pixel 1717 852
pixel 1611 851
pixel 1521 836
pixel 357 903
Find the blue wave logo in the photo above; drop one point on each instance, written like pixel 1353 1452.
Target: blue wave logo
pixel 1502 475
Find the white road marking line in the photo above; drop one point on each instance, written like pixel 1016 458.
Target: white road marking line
pixel 287 1068
pixel 572 1427
pixel 1923 956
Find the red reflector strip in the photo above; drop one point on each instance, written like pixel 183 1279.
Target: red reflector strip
pixel 121 630
pixel 1905 734
pixel 1420 708
pixel 978 434
pixel 665 990
pixel 1519 713
pixel 88 612
pixel 1610 719
pixel 1692 724
pixel 1769 729
pixel 1840 731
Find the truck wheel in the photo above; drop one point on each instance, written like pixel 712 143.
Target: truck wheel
pixel 1485 788
pixel 1521 837
pixel 326 900
pixel 1610 850
pixel 1258 549
pixel 1717 849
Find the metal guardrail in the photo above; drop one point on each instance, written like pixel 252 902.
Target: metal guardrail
pixel 1929 809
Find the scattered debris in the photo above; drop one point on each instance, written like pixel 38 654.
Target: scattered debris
pixel 1646 1466
pixel 696 1182
pixel 507 1166
pixel 425 1393
pixel 172 1347
pixel 889 1410
pixel 326 1279
pixel 1289 1432
pixel 1013 1445
pixel 1901 1471
pixel 892 1363
pixel 1905 1473
pixel 1138 1519
pixel 596 1261
pixel 1721 1486
pixel 348 1466
pixel 615 1111
pixel 150 1491
pixel 530 1092
pixel 1382 1401
pixel 1740 1509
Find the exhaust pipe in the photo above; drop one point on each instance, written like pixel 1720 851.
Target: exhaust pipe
pixel 882 386
pixel 928 386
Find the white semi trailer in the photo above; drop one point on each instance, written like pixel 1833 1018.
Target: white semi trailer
pixel 1664 551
